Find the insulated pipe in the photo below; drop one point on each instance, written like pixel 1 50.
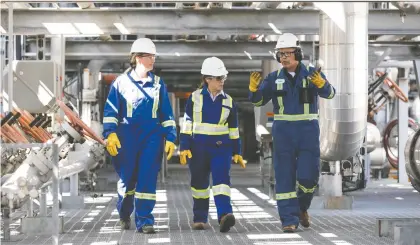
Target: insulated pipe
pixel 373 137
pixel 343 48
pixel 378 158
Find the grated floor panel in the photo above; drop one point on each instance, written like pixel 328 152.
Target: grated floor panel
pixel 257 218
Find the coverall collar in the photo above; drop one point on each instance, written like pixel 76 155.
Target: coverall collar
pixel 132 73
pixel 205 90
pixel 300 72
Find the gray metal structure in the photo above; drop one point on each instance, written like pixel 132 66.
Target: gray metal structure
pixel 242 36
pixel 213 21
pixel 175 51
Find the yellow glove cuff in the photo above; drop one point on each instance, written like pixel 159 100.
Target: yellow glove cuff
pixel 252 89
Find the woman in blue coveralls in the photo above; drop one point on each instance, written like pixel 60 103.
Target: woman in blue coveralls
pixel 137 117
pixel 210 137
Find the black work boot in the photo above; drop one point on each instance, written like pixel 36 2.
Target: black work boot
pixel 125 224
pixel 226 222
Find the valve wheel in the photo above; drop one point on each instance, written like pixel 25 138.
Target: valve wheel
pixel 78 124
pixel 394 87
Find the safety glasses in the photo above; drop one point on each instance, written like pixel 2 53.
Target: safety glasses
pixel 285 54
pixel 150 56
pixel 219 78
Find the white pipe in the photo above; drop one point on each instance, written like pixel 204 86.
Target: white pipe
pixel 373 137
pixel 11 57
pixel 33 172
pixel 343 48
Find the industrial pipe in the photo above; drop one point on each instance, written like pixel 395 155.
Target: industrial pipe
pixel 390 142
pixel 373 137
pixel 33 172
pixel 343 48
pixel 412 159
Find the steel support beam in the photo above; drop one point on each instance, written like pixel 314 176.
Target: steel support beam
pixel 195 78
pixel 119 50
pixel 115 66
pixel 176 51
pixel 203 21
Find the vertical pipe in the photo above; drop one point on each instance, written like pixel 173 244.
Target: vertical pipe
pixel 43 202
pixel 10 58
pixel 402 126
pixel 2 65
pixel 6 224
pixel 74 185
pixel 343 48
pixel 55 207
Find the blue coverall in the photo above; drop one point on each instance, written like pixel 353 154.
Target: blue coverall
pixel 141 116
pixel 295 137
pixel 210 131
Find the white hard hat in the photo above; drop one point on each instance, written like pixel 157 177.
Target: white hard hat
pixel 213 66
pixel 287 40
pixel 143 45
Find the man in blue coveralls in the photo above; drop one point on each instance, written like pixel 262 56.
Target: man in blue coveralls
pixel 137 117
pixel 294 91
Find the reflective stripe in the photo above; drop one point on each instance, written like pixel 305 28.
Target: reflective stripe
pixel 209 129
pixel 122 190
pixel 285 196
pixel 168 123
pixel 200 193
pixel 147 196
pixel 110 120
pixel 221 189
pixel 156 97
pixel 259 103
pixel 297 117
pixel 197 99
pixel 305 190
pixel 186 127
pixel 305 105
pixel 225 111
pixel 332 93
pixel 130 193
pixel 112 105
pixel 129 109
pixel 280 99
pixel 233 133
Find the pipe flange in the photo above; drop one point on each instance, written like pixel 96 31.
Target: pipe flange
pixel 392 158
pixel 71 131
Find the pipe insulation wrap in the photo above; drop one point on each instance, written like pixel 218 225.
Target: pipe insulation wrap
pixel 344 48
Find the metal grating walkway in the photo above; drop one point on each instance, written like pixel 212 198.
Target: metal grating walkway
pixel 257 218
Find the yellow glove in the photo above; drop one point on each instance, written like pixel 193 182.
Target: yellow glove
pixel 238 158
pixel 112 143
pixel 317 79
pixel 254 81
pixel 183 156
pixel 169 149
